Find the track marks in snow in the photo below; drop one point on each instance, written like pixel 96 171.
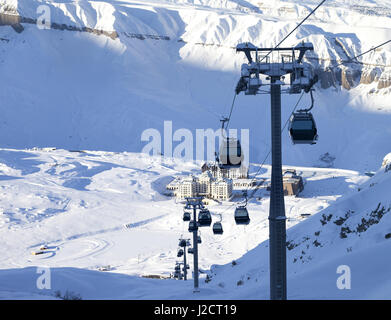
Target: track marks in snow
pixel 143 222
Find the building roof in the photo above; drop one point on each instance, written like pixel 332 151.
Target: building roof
pixel 223 180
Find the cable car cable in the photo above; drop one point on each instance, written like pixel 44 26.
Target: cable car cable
pixel 227 120
pixel 230 113
pixel 361 54
pixel 313 11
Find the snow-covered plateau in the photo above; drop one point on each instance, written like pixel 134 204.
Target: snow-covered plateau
pixel 77 97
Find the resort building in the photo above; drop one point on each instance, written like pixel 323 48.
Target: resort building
pixel 203 185
pixel 221 189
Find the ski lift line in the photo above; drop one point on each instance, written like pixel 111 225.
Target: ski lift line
pixel 361 54
pixel 313 11
pixel 230 113
pixel 224 120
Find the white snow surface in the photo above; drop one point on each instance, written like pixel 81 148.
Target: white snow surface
pixel 94 209
pixel 80 91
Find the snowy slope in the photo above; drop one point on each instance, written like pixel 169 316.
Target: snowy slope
pixel 354 231
pixel 94 209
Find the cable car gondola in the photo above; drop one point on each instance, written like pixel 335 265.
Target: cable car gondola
pixel 204 218
pixel 230 153
pixel 302 128
pixel 217 228
pixel 182 243
pixel 193 226
pixel 186 216
pixel 241 215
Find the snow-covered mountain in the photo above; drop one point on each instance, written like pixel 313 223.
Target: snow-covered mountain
pixel 175 60
pixel 107 70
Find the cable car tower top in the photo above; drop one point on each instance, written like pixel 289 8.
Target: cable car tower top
pixel 301 72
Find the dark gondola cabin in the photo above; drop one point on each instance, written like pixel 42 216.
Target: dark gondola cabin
pixel 230 153
pixel 186 216
pixel 217 228
pixel 302 128
pixel 182 243
pixel 193 226
pixel 204 218
pixel 241 215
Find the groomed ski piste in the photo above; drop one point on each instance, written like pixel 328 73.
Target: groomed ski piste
pixel 80 92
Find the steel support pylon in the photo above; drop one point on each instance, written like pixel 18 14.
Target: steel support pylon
pixel 195 253
pixel 277 224
pixel 185 263
pixel 250 82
